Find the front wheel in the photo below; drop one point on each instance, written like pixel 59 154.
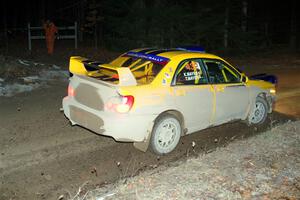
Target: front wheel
pixel 259 112
pixel 166 134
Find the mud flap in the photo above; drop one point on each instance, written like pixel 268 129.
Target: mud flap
pixel 143 146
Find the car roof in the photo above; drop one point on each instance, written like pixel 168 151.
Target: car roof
pixel 174 52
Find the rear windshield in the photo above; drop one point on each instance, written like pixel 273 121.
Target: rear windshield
pixel 142 69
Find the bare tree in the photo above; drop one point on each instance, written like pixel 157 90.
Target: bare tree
pixel 293 26
pixel 226 24
pixel 244 15
pixel 5 37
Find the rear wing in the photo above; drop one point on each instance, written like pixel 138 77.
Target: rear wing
pixel 107 73
pixel 126 77
pixel 82 66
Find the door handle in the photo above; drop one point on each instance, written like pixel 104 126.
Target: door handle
pixel 220 89
pixel 179 92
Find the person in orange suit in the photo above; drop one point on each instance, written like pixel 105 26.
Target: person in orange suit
pixel 50 33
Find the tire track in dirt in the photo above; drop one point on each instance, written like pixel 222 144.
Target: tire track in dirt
pixel 51 176
pixel 11 163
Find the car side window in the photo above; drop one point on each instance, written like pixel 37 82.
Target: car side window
pixel 219 72
pixel 190 72
pixel 214 71
pixel 231 75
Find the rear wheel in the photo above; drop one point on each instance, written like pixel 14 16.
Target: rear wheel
pixel 166 134
pixel 259 112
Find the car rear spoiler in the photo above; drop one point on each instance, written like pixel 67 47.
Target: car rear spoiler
pixel 126 77
pixel 83 66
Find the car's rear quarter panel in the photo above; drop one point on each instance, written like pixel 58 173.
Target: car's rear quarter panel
pixel 87 108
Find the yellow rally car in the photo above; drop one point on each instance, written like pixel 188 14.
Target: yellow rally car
pixel 155 96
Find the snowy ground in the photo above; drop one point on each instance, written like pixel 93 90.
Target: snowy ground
pixel 18 75
pixel 266 166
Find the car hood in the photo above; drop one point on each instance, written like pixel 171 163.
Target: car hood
pixel 261 84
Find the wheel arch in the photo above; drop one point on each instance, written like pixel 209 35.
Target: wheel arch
pixel 178 115
pixel 264 96
pixel 143 146
pixel 261 95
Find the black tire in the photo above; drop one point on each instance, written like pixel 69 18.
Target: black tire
pixel 259 112
pixel 166 134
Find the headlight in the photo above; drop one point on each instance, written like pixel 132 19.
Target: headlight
pixel 272 91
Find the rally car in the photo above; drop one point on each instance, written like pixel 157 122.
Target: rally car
pixel 152 97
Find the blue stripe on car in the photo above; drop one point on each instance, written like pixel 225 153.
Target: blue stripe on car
pixel 151 57
pixel 266 77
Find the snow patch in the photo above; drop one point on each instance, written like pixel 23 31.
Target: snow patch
pixel 29 79
pixel 32 82
pixel 54 74
pixel 15 88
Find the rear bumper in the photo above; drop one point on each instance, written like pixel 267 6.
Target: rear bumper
pixel 122 127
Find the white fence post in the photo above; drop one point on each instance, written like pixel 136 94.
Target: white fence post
pixel 29 37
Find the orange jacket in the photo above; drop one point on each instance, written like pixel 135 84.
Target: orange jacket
pixel 50 30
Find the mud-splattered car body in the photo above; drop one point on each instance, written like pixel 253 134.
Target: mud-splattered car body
pixel 151 95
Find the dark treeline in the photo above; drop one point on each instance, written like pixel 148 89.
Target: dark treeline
pixel 120 24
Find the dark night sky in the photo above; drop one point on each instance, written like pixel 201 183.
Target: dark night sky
pixel 18 13
pixel 278 14
pixel 30 10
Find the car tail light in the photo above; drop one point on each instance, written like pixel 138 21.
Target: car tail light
pixel 120 104
pixel 116 76
pixel 71 91
pixel 125 105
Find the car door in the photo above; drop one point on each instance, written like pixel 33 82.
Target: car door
pixel 193 94
pixel 231 94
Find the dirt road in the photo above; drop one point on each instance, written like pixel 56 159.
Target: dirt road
pixel 42 156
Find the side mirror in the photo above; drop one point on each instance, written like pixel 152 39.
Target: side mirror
pixel 244 78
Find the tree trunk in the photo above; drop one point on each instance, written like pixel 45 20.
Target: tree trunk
pixel 266 27
pixel 244 15
pixel 4 13
pixel 80 19
pixel 226 23
pixel 96 36
pixel 42 10
pixel 293 25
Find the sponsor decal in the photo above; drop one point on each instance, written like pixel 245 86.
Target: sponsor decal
pixel 167 75
pixel 188 76
pixel 151 57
